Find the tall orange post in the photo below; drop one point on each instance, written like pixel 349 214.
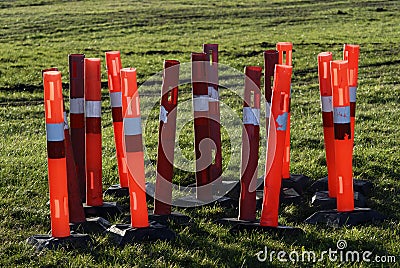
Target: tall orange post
pixel 94 186
pixel 77 117
pixel 343 138
pixel 271 58
pixel 324 74
pixel 134 148
pixel 250 143
pixel 113 61
pixel 285 58
pixel 351 54
pixel 276 144
pixel 57 165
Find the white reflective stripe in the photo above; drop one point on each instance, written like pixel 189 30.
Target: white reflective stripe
pixel 213 94
pixel 116 99
pixel 93 108
pixel 200 103
pixel 326 104
pixel 65 121
pixel 251 116
pixel 55 132
pixel 163 114
pixel 341 115
pixel 267 109
pixel 353 92
pixel 132 126
pixel 76 106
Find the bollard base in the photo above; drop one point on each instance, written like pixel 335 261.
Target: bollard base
pixel 229 189
pixel 323 201
pixel 107 210
pixel 123 234
pixel 298 182
pixel 334 218
pixel 74 241
pixel 96 225
pixel 255 226
pixel 117 191
pixel 191 201
pixel 362 186
pixel 289 196
pixel 232 221
pixel 175 217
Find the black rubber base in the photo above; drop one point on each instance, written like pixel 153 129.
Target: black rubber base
pixel 74 241
pixel 191 201
pixel 122 234
pixel 95 225
pixel 334 218
pixel 107 210
pixel 255 226
pixel 229 189
pixel 289 196
pixel 175 217
pixel 362 186
pixel 298 182
pixel 323 201
pixel 116 191
pixel 232 221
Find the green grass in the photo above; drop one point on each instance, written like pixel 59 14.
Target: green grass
pixel 40 34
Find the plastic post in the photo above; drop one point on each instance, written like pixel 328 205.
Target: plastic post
pixel 285 57
pixel 271 58
pixel 250 143
pixel 77 117
pixel 93 150
pixel 343 138
pixel 214 112
pixel 351 54
pixel 166 138
pixel 57 166
pixel 113 61
pixel 201 126
pixel 134 148
pixel 276 144
pixel 324 75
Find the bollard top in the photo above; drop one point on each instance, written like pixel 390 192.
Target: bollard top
pixel 324 73
pixel 340 83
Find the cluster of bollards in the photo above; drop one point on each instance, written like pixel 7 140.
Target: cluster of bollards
pixel 74 150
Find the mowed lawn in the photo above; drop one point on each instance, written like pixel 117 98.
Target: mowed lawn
pixel 40 34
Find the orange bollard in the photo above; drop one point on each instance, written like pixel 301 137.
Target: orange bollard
pixel 351 54
pixel 250 143
pixel 285 57
pixel 276 145
pixel 166 138
pixel 113 61
pixel 57 166
pixel 134 148
pixel 94 187
pixel 77 117
pixel 271 58
pixel 343 138
pixel 324 74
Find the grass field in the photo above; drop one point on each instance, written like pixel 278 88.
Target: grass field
pixel 40 34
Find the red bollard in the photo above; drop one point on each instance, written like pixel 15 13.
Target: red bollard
pixel 166 138
pixel 134 148
pixel 250 143
pixel 343 138
pixel 276 144
pixel 57 165
pixel 94 186
pixel 113 61
pixel 351 54
pixel 214 112
pixel 324 74
pixel 271 58
pixel 285 57
pixel 77 117
pixel 201 126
